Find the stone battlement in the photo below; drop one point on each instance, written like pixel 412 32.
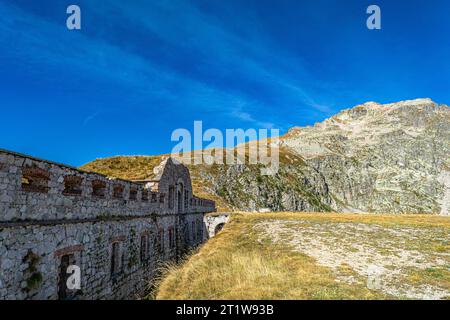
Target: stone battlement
pixel 117 232
pixel 35 189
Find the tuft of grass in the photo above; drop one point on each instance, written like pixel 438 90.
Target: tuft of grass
pixel 34 281
pixel 431 276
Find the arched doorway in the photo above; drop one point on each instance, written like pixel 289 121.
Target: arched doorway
pixel 180 193
pixel 218 228
pixel 180 201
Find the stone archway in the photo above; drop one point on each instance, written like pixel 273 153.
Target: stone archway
pixel 215 222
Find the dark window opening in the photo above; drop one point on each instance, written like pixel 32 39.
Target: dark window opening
pixel 218 228
pixel 72 185
pixel 133 194
pixel 161 198
pixel 118 191
pixel 154 197
pixel 171 237
pixel 35 180
pixel 145 248
pixel 64 293
pixel 186 199
pixel 180 201
pixel 98 188
pixel 115 258
pixel 171 196
pixel 186 233
pixel 161 241
pixel 144 195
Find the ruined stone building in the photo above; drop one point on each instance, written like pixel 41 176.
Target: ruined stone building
pixel 117 232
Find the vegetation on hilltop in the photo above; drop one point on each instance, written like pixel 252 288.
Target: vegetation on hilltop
pixel 125 167
pixel 230 186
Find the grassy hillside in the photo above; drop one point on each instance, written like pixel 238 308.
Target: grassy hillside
pixel 125 167
pixel 317 256
pixel 141 168
pixel 232 187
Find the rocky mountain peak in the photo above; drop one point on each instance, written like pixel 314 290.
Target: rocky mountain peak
pixel 376 151
pixel 374 108
pixel 390 158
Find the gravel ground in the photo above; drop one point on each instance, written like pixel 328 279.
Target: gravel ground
pixel 383 257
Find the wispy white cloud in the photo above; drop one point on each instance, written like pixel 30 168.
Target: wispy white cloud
pixel 90 118
pixel 183 26
pixel 244 116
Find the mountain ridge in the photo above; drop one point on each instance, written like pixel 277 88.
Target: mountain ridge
pixel 369 158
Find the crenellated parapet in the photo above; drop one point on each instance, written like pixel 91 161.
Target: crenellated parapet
pixel 36 189
pixel 117 232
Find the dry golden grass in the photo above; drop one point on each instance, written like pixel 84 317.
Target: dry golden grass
pixel 141 168
pixel 383 219
pixel 125 167
pixel 236 264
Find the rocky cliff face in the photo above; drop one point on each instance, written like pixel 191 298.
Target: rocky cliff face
pixel 296 187
pixel 381 158
pixel 370 158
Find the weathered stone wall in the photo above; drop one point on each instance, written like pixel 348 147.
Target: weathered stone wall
pixel 116 231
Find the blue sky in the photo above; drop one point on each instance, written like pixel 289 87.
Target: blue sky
pixel 140 69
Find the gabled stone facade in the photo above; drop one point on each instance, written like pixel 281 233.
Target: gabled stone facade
pixel 116 231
